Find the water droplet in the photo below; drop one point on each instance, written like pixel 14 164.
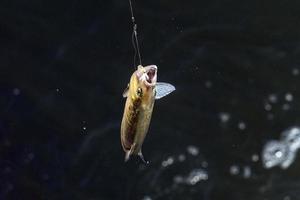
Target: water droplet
pixel 234 170
pixel 289 97
pixel 224 117
pixel 169 161
pixel 31 156
pixel 7 143
pixel 270 116
pixel 292 137
pixel 192 150
pixel 242 125
pixel 274 153
pixel 204 164
pixel 278 154
pixel 273 98
pixel 7 170
pixel 247 172
pixel 289 159
pixel 255 157
pixel 286 107
pixel 287 198
pixel 195 176
pixel 10 187
pixel 16 91
pixel 208 84
pixel 45 177
pixel 295 71
pixel 268 107
pixel 178 179
pixel 181 157
pixel 60 52
pixel 147 198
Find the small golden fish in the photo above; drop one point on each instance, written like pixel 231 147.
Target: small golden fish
pixel 141 93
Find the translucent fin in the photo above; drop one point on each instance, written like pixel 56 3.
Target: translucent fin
pixel 125 93
pixel 127 156
pixel 140 154
pixel 163 89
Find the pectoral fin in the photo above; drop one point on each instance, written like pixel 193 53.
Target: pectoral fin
pixel 163 89
pixel 125 93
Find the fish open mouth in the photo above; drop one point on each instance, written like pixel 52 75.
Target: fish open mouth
pixel 147 75
pixel 151 75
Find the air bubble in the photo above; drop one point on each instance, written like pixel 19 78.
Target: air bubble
pixel 178 179
pixel 283 152
pixel 10 187
pixel 204 164
pixel 7 170
pixel 289 97
pixel 167 162
pixel 287 198
pixel 292 137
pixel 45 177
pixel 278 153
pixel 274 153
pixel 270 116
pixel 290 158
pixel 30 156
pixel 208 84
pixel 242 126
pixel 273 98
pixel 295 71
pixel 224 117
pixel 16 91
pixel 181 157
pixel 234 170
pixel 193 150
pixel 147 198
pixel 286 107
pixel 268 107
pixel 195 176
pixel 247 172
pixel 255 157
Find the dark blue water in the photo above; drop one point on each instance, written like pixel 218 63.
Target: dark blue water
pixel 65 64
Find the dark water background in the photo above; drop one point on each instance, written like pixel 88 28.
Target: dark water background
pixel 64 65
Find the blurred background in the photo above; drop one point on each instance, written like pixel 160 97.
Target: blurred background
pixel 65 64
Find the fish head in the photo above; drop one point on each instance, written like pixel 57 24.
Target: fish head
pixel 147 76
pixel 143 81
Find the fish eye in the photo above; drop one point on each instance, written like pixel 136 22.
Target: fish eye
pixel 139 92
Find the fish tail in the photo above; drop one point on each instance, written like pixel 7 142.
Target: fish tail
pixel 127 156
pixel 140 154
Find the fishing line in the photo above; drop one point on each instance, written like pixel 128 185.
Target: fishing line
pixel 134 38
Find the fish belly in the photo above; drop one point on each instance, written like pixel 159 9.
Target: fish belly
pixel 134 127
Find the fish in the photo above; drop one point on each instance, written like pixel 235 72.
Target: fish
pixel 141 93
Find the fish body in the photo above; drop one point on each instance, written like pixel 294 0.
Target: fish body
pixel 141 93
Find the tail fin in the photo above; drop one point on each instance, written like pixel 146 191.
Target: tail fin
pixel 140 154
pixel 127 156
